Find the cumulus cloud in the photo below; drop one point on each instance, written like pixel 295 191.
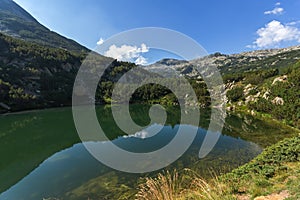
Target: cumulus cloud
pixel 141 60
pixel 275 11
pixel 128 53
pixel 274 33
pixel 101 41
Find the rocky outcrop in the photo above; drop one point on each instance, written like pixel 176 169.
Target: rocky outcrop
pixel 280 79
pixel 247 89
pixel 266 95
pixel 250 98
pixel 278 101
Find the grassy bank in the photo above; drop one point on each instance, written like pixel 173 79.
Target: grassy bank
pixel 274 174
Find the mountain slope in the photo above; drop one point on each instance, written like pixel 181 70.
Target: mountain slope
pixel 30 74
pixel 262 83
pixel 8 6
pixel 16 22
pixel 268 93
pixel 37 76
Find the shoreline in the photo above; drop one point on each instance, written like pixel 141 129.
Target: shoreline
pixel 265 118
pixel 30 110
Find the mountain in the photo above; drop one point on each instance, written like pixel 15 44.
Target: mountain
pixel 262 83
pixel 38 76
pixel 230 64
pixel 16 22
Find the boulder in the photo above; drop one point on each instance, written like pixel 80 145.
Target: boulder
pixel 278 101
pixel 280 79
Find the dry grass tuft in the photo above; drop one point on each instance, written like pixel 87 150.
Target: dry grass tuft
pixel 188 185
pixel 166 186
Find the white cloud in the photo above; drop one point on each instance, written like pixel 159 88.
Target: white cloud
pixel 274 33
pixel 147 133
pixel 278 4
pixel 275 11
pixel 250 46
pixel 293 23
pixel 128 53
pixel 101 41
pixel 141 60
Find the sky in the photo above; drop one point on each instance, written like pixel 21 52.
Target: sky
pixel 230 26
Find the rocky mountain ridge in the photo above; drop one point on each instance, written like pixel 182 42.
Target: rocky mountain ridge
pixel 227 64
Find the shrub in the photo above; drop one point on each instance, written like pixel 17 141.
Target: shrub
pixel 235 94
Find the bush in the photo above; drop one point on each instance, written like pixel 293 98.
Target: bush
pixel 262 105
pixel 235 94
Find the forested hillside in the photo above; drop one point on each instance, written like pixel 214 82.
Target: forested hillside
pixel 31 74
pixel 38 76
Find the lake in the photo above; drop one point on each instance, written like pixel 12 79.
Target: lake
pixel 42 155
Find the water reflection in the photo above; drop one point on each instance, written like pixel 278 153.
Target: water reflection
pixel 73 167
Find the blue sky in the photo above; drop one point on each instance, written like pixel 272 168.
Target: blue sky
pixel 230 26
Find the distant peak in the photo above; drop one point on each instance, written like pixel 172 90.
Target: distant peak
pixel 12 8
pixel 18 23
pixel 171 61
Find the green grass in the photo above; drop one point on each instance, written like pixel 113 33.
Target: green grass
pixel 261 174
pixel 276 169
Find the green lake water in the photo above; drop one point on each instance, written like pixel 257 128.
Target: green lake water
pixel 42 155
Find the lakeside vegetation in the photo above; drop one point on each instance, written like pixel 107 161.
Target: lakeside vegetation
pixel 274 172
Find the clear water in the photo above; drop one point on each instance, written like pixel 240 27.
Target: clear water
pixel 42 156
